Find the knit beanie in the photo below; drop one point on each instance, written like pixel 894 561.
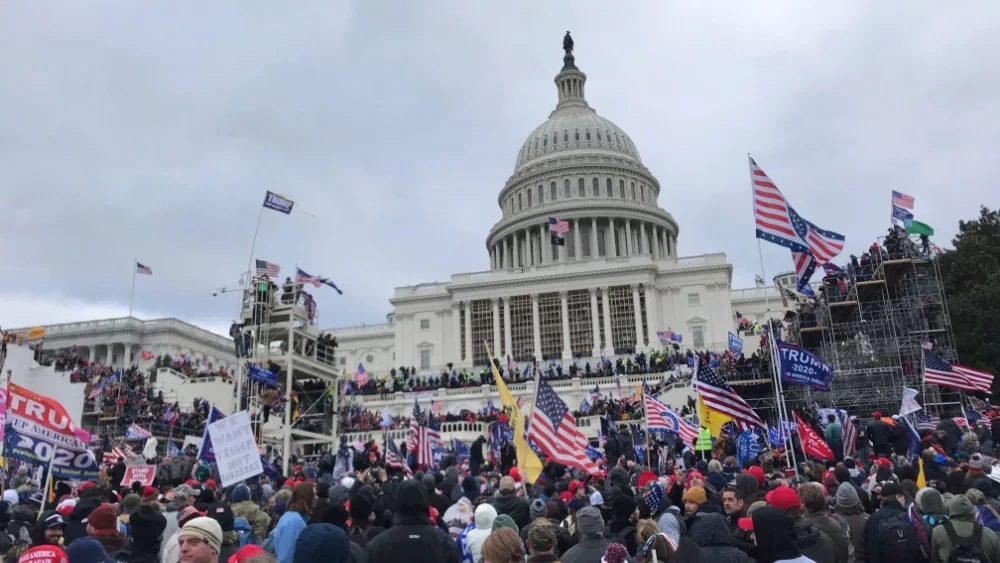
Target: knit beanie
pixel 615 553
pixel 146 524
pixel 589 520
pixel 361 509
pixel 847 495
pixel 242 493
pixel 204 529
pixel 537 509
pixel 103 518
pixel 622 507
pixel 505 521
pixel 132 501
pixel 695 495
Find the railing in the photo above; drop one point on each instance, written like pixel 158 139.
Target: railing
pixel 361 329
pixel 755 293
pixel 66 330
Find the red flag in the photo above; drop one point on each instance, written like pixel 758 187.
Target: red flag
pixel 813 445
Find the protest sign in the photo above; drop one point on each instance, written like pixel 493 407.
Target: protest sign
pixel 236 450
pixel 142 473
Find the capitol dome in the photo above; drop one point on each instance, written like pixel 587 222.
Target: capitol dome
pixel 581 168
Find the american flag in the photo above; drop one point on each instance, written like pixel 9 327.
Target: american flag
pixel 143 269
pixel 902 200
pixel 850 431
pixel 361 376
pixel 960 421
pixel 302 277
pixel 971 415
pixel 927 421
pixel 122 452
pixel 423 437
pixel 393 458
pixel 939 372
pixel 777 222
pixel 741 320
pixel 661 417
pixel 719 396
pixel 559 226
pixel 265 268
pixel 521 400
pixel 553 428
pixel 805 265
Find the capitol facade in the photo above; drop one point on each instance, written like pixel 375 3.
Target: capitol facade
pixel 608 290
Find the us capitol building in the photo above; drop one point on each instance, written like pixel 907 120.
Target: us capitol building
pixel 615 283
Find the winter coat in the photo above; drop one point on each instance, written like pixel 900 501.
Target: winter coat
pixel 19 530
pixel 590 549
pixel 813 543
pixel 76 524
pixel 485 514
pixel 148 552
pixel 258 519
pixel 856 518
pixel 962 516
pixel 716 541
pixel 837 532
pixel 873 544
pixel 514 506
pixel 285 535
pixel 177 469
pixel 413 538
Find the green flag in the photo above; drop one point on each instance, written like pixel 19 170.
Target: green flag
pixel 918 228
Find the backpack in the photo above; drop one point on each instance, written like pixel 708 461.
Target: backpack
pixel 966 550
pixel 243 529
pixel 623 535
pixel 898 540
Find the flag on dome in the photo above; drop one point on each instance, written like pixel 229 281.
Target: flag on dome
pixel 778 222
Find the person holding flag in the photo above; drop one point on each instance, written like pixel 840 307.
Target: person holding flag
pixel 527 460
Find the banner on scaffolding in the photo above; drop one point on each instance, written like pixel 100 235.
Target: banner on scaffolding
pixel 799 367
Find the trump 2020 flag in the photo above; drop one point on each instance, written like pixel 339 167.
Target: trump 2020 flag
pixel 39 429
pixel 799 367
pixel 735 344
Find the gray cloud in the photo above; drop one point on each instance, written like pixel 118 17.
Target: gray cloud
pixel 152 131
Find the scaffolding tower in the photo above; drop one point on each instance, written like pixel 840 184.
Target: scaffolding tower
pixel 280 335
pixel 870 328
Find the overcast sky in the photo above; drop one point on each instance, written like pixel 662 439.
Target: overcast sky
pixel 151 130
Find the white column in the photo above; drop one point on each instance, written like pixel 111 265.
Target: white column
pixel 493 257
pixel 456 324
pixel 505 259
pixel 609 244
pixel 657 248
pixel 577 244
pixel 593 237
pixel 110 355
pixel 507 346
pixel 609 346
pixel 93 353
pixel 546 244
pixel 629 244
pixel 567 353
pixel 640 339
pixel 536 329
pixel 652 314
pixel 495 345
pixel 468 332
pixel 643 241
pixel 595 327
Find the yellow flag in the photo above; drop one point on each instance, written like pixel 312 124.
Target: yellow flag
pixel 638 393
pixel 527 460
pixel 921 479
pixel 711 419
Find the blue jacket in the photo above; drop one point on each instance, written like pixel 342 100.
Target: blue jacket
pixel 286 533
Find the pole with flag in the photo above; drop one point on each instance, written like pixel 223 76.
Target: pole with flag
pixel 137 268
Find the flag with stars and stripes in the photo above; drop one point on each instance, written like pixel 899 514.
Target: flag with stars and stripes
pixel 554 429
pixel 939 372
pixel 778 222
pixel 660 417
pixel 393 458
pixel 269 269
pixel 902 200
pixel 927 421
pixel 720 397
pixel 805 266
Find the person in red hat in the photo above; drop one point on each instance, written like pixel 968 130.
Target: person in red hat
pixel 44 554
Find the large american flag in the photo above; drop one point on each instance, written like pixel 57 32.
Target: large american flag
pixel 265 268
pixel 302 277
pixel 425 435
pixel 661 417
pixel 778 222
pixel 553 428
pixel 939 372
pixel 560 226
pixel 719 396
pixel 143 269
pixel 361 376
pixel 902 200
pixel 393 458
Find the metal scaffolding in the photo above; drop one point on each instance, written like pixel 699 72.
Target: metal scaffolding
pixel 870 326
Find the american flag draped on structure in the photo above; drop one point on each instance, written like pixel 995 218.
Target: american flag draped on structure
pixel 939 372
pixel 553 428
pixel 660 417
pixel 393 458
pixel 719 396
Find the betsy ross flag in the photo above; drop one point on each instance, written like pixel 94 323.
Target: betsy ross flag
pixel 553 428
pixel 939 372
pixel 393 458
pixel 141 268
pixel 558 229
pixel 660 417
pixel 720 397
pixel 265 268
pixel 778 222
pixel 902 200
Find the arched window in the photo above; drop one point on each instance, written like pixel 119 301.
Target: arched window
pixel 596 187
pixel 633 190
pixel 519 202
pixel 545 142
pixel 552 191
pixel 601 242
pixel 585 241
pixel 566 189
pixel 610 188
pixel 565 135
pixel 621 189
pixel 581 187
pixel 555 139
pixel 642 192
pixel 598 135
pixel 576 134
pixel 541 195
pixel 529 197
pixel 536 144
pixel 587 134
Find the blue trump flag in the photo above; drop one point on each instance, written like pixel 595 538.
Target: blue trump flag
pixel 462 450
pixel 262 375
pixel 799 367
pixel 735 344
pixel 747 447
pixel 207 453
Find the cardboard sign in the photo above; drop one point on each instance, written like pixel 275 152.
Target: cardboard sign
pixel 236 450
pixel 142 473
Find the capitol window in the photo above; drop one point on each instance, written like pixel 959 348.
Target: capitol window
pixel 520 201
pixel 565 135
pixel 566 189
pixel 555 139
pixel 541 195
pixel 611 190
pixel 552 190
pixel 529 197
pixel 633 190
pixel 425 324
pixel 425 359
pixel 576 134
pixel 694 299
pixel 598 135
pixel 343 361
pixel 587 134
pixel 545 142
pixel 621 189
pixel 698 336
pixel 582 187
pixel 597 187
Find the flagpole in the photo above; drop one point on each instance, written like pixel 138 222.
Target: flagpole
pixel 48 483
pixel 779 392
pixel 131 297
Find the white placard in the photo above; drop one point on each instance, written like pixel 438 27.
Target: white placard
pixel 235 449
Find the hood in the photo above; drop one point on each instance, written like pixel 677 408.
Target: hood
pixel 412 499
pixel 930 501
pixel 83 509
pixel 776 534
pixel 960 508
pixel 321 543
pixel 806 534
pixel 337 494
pixel 747 486
pixel 712 529
pixel 619 478
pixel 23 514
pixel 485 515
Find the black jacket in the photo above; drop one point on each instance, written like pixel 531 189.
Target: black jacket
pixel 879 434
pixel 413 539
pixel 716 541
pixel 873 544
pixel 76 526
pixel 514 506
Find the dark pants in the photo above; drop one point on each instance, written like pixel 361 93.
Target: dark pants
pixel 267 413
pixel 838 450
pixel 474 466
